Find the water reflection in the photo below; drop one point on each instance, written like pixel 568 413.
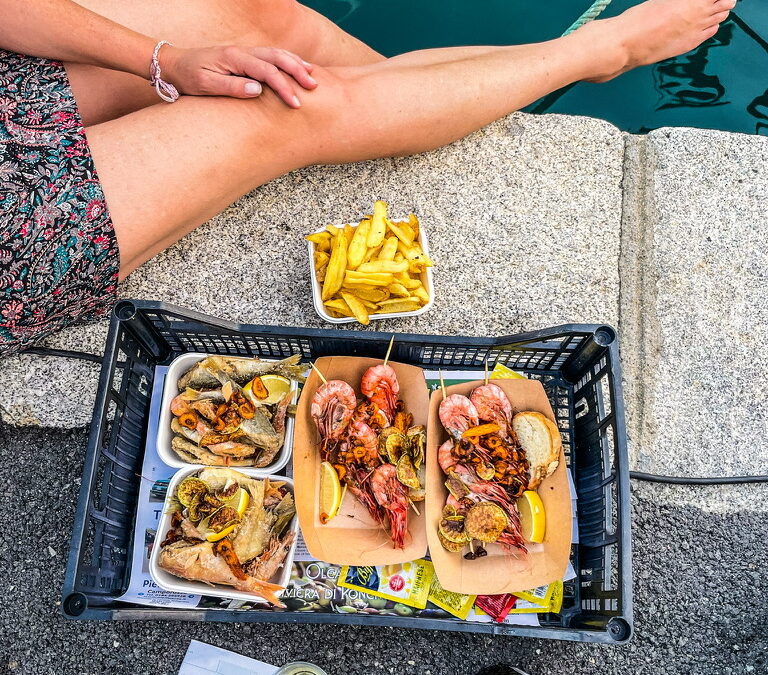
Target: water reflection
pixel 758 108
pixel 682 82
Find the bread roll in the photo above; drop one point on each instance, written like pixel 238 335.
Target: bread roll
pixel 540 438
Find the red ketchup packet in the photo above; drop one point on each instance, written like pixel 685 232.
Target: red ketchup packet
pixel 496 606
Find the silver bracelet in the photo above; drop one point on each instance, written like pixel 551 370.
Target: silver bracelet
pixel 165 90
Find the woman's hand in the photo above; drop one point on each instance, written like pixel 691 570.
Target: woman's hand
pixel 236 71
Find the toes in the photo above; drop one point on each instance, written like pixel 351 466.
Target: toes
pixel 709 32
pixel 719 17
pixel 723 5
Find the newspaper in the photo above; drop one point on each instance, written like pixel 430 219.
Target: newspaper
pixel 313 582
pixel 155 475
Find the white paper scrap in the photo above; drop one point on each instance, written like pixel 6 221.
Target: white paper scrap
pixel 205 659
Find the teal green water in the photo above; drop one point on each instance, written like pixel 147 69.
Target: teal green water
pixel 720 85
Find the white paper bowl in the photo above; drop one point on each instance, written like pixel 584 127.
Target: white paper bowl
pixel 317 289
pixel 178 367
pixel 170 582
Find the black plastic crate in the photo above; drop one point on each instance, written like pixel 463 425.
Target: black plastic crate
pixel 578 365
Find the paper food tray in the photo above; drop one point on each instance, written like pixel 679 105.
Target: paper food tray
pixel 352 537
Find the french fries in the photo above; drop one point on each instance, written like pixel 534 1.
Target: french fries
pixel 321 240
pixel 358 247
pixel 337 265
pixel 321 260
pixel 389 267
pixel 389 249
pixel 378 225
pixel 358 308
pixel 375 267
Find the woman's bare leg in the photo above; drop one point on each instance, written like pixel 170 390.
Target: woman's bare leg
pixel 204 153
pixel 106 94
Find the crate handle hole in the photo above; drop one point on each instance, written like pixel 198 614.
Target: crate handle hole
pixel 125 310
pixel 75 604
pixel 619 629
pixel 605 335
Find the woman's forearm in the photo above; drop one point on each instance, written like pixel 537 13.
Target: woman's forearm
pixel 65 31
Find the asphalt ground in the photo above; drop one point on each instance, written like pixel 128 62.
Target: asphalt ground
pixel 699 576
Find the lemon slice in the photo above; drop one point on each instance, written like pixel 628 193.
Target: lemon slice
pixel 330 492
pixel 277 386
pixel 501 372
pixel 533 522
pixel 239 502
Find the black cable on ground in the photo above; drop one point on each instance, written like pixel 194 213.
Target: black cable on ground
pixel 713 480
pixel 65 353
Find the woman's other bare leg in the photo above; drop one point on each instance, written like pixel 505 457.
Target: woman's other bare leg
pixel 204 153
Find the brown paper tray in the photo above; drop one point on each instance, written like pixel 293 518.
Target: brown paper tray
pixel 352 537
pixel 500 572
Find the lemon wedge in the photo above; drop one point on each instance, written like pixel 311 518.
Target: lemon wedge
pixel 330 492
pixel 533 522
pixel 277 386
pixel 215 536
pixel 239 502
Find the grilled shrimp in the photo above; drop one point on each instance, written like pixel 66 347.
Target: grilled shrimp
pixel 332 407
pixel 487 489
pixel 380 386
pixel 445 457
pixel 457 414
pixel 392 495
pixel 492 405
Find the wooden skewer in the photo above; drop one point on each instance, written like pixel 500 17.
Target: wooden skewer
pixel 317 370
pixel 414 506
pixel 442 384
pixel 389 349
pixel 486 372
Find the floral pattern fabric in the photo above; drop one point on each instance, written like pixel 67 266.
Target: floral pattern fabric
pixel 59 261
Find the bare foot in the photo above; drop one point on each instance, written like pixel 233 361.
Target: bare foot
pixel 655 30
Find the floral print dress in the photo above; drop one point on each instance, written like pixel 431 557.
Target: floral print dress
pixel 59 261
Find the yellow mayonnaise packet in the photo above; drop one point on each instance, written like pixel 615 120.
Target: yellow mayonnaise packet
pixel 453 603
pixel 407 583
pixel 501 372
pixel 540 600
pixel 538 596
